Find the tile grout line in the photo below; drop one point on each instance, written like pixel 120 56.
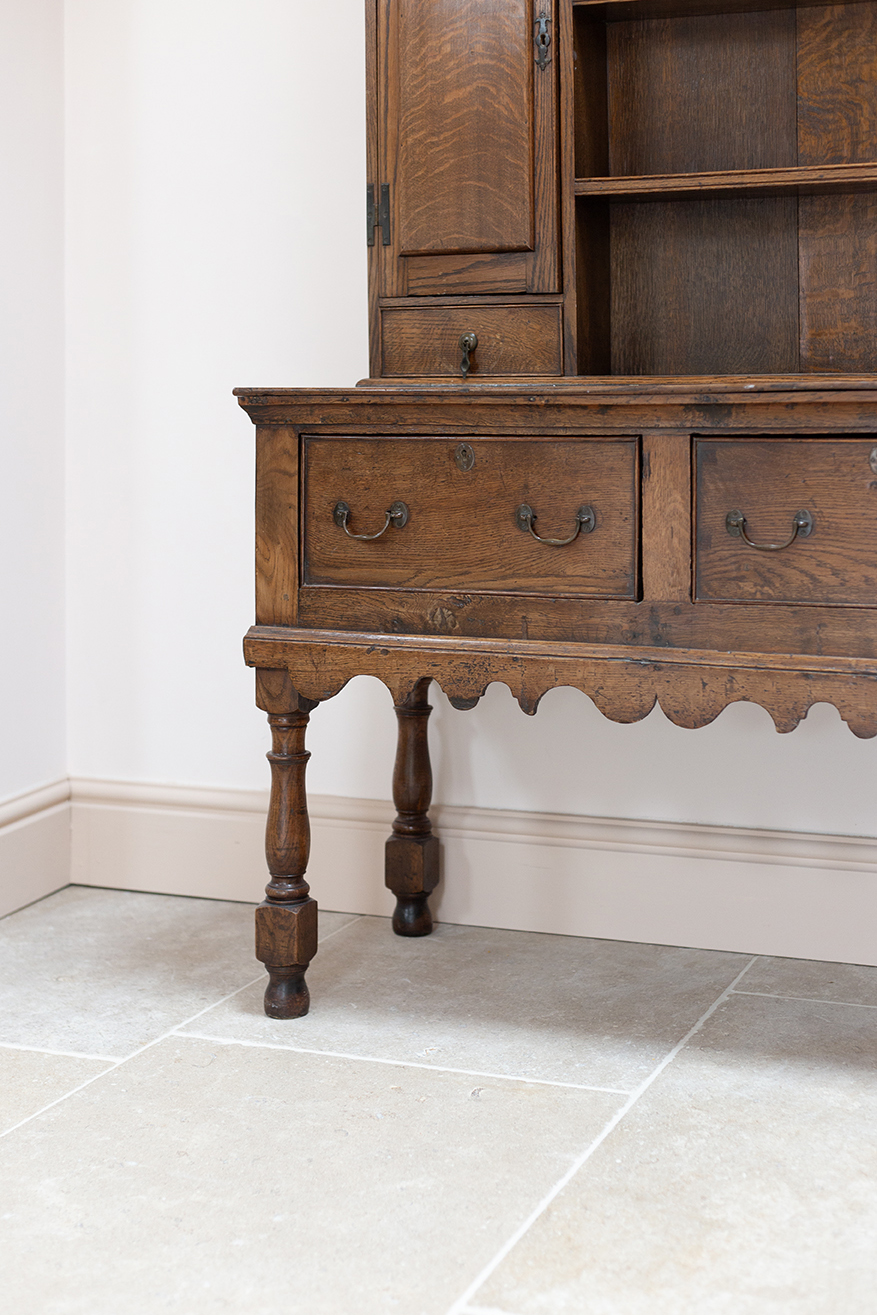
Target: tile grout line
pixel 116 1063
pixel 398 1063
pixel 59 1054
pixel 460 1305
pixel 134 1053
pixel 484 1310
pixel 355 917
pixel 807 999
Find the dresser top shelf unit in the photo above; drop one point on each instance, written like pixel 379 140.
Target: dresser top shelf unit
pixel 725 188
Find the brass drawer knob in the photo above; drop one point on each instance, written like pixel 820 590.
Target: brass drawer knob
pixel 586 521
pixel 397 515
pixel 468 343
pixel 802 527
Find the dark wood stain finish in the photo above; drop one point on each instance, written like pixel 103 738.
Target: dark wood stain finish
pixel 286 922
pixel 769 480
pixel 466 142
pixel 682 206
pixel 837 244
pixel 412 851
pixel 520 339
pixel 464 80
pixel 712 92
pixel 837 84
pixel 462 525
pixel 704 286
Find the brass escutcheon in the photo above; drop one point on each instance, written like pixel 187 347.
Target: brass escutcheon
pixel 464 456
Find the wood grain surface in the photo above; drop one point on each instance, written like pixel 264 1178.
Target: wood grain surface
pixel 837 84
pixel 666 516
pixel 704 93
pixel 436 276
pixel 798 181
pixel 692 688
pixel 704 286
pixel 513 339
pixel 465 144
pixel 277 499
pixel 624 10
pixel 462 533
pixel 837 244
pixel 769 480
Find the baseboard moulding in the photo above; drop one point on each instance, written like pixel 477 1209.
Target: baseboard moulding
pixel 768 892
pixel 34 845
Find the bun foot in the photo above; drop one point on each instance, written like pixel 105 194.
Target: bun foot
pixel 412 916
pixel 287 995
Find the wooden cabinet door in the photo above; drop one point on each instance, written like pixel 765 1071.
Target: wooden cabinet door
pixel 464 159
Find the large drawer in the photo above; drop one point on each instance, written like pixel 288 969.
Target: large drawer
pixel 769 481
pixel 463 531
pixel 512 340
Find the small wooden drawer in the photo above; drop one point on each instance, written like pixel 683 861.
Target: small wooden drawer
pixel 512 340
pixel 463 532
pixel 770 482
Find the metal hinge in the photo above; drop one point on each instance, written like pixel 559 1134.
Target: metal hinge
pixel 377 215
pixel 542 40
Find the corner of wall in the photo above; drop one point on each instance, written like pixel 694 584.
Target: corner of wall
pixel 34 845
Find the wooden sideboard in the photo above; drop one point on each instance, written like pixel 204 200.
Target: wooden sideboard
pixel 700 541
pixel 621 430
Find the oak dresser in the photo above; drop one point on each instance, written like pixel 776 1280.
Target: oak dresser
pixel 621 426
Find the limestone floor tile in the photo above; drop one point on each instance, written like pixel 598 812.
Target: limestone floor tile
pixel 30 1080
pixel 557 1008
pixel 743 1182
pixel 200 1178
pixel 104 971
pixel 815 980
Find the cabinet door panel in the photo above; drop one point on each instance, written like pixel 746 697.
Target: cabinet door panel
pixel 464 109
pixel 464 162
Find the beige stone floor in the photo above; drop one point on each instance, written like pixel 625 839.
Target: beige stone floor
pixel 477 1122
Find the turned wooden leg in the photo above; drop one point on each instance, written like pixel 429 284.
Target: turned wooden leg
pixel 412 853
pixel 286 923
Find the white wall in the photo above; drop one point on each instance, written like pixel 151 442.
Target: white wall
pixel 215 175
pixel 32 729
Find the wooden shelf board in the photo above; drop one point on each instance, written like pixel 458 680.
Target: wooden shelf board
pixel 623 10
pixel 812 180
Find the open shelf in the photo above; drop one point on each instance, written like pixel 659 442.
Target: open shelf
pixel 725 187
pixel 813 180
pixel 620 11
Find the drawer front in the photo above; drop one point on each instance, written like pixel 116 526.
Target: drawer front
pixel 462 531
pixel 512 340
pixel 769 481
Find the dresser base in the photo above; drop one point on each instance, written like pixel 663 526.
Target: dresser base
pixel 298 669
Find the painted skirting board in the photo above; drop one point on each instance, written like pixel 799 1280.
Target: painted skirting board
pixel 765 892
pixel 34 845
